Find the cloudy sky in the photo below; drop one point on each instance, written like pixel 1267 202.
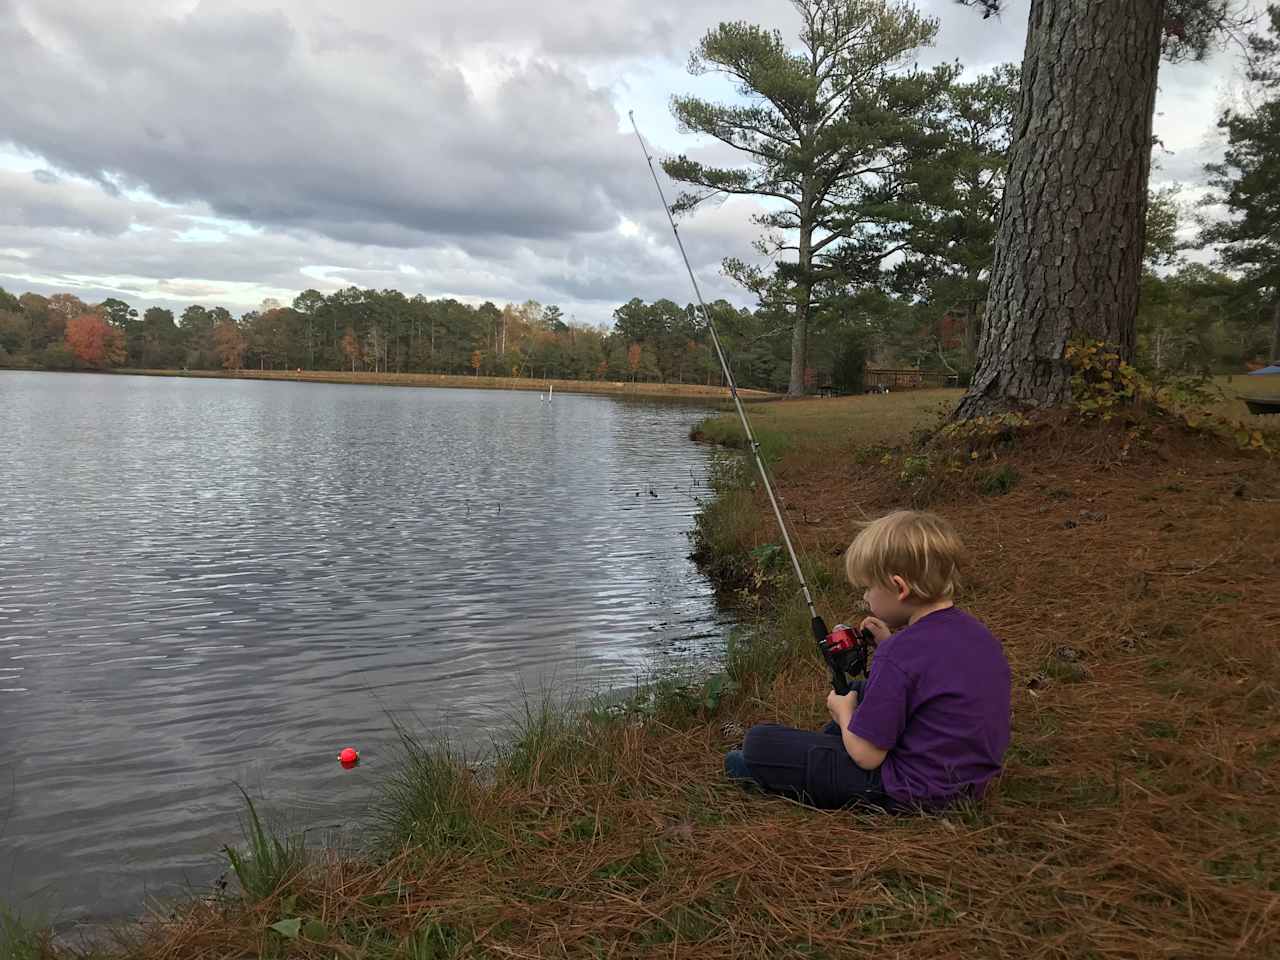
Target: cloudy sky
pixel 224 151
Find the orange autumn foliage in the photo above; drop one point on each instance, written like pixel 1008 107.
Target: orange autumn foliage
pixel 229 344
pixel 94 341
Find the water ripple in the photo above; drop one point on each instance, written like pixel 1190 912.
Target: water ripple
pixel 206 583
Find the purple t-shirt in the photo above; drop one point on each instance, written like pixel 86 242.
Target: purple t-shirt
pixel 937 698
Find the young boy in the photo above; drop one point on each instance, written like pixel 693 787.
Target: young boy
pixel 930 725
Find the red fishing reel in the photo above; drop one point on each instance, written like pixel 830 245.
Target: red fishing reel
pixel 846 650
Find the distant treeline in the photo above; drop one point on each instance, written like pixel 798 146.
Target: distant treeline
pixel 1191 320
pixel 384 330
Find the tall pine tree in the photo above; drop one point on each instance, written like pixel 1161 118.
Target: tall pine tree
pixel 947 267
pixel 1068 256
pixel 826 131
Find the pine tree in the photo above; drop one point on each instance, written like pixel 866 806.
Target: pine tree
pixel 1068 255
pixel 947 267
pixel 826 136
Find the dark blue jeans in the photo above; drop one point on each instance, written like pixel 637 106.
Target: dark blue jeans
pixel 813 767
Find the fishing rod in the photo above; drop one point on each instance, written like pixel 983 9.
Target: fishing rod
pixel 844 649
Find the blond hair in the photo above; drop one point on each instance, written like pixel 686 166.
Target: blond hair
pixel 921 548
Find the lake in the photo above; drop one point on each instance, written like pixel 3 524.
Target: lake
pixel 206 583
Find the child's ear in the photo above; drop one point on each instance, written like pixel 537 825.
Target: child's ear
pixel 904 591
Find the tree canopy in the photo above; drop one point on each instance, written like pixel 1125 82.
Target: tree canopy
pixel 1247 182
pixel 827 132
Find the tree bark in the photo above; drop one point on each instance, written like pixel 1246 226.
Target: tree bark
pixel 804 296
pixel 1068 256
pixel 1275 334
pixel 799 349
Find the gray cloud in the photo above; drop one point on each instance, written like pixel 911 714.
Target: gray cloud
pixel 367 131
pixel 243 111
pixel 145 265
pixel 41 199
pixel 479 145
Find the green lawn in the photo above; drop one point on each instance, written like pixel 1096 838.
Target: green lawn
pixel 810 426
pixel 873 418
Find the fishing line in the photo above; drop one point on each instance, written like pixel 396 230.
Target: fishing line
pixel 816 622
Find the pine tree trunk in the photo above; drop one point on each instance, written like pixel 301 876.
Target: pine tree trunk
pixel 1068 256
pixel 1275 334
pixel 799 348
pixel 804 296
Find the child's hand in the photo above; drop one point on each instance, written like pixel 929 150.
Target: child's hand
pixel 879 629
pixel 841 708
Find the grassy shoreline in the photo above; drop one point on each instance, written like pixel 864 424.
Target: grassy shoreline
pixel 1135 596
pixel 657 391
